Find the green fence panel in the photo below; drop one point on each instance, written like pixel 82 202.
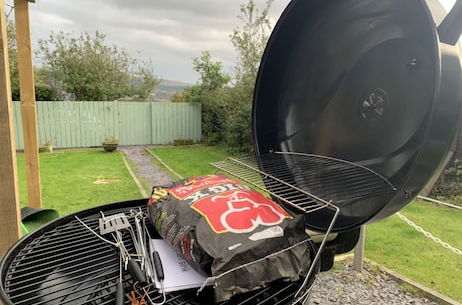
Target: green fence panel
pixel 85 124
pixel 172 121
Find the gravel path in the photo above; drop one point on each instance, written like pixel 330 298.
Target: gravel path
pixel 145 169
pixel 345 286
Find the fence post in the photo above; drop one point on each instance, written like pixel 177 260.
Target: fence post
pixel 10 223
pixel 358 263
pixel 28 105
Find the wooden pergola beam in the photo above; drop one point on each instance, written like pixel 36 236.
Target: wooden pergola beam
pixel 10 223
pixel 28 104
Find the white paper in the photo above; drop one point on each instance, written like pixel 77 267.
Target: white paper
pixel 179 275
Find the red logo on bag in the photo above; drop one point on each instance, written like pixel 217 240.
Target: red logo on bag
pixel 239 211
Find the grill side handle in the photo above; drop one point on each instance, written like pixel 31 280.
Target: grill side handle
pixel 451 27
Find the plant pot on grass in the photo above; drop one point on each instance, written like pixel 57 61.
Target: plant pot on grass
pixel 110 143
pixel 48 147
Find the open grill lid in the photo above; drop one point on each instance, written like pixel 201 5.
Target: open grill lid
pixel 366 81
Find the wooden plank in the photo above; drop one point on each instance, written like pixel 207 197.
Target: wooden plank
pixel 76 123
pixel 46 131
pixel 61 127
pixel 41 129
pixel 155 123
pixel 50 124
pixel 199 122
pixel 188 123
pixel 151 124
pixel 71 123
pixel 157 111
pixel 10 225
pixel 92 114
pixel 18 125
pixel 28 111
pixel 42 122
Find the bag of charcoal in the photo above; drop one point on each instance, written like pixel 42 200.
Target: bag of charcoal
pixel 236 236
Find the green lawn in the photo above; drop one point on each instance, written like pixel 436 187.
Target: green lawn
pixel 391 242
pixel 396 245
pixel 68 180
pixel 191 160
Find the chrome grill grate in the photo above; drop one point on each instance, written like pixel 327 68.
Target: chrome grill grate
pixel 67 265
pixel 307 182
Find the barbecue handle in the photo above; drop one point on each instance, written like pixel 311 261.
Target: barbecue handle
pixel 135 270
pixel 451 27
pixel 120 297
pixel 158 266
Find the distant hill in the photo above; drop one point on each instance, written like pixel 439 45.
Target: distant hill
pixel 167 88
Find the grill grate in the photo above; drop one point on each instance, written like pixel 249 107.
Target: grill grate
pixel 68 265
pixel 308 182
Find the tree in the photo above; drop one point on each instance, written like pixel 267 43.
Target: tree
pixel 212 76
pixel 226 110
pixel 13 59
pixel 86 68
pixel 178 97
pixel 43 92
pixel 249 41
pixel 212 93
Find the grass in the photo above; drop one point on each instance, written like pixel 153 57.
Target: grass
pixel 398 246
pixel 68 180
pixel 390 242
pixel 191 160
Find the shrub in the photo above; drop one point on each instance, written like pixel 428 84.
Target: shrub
pixel 110 140
pixel 449 185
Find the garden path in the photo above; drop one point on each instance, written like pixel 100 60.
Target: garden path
pixel 145 168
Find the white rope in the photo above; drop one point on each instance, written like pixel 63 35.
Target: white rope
pixel 429 235
pixel 96 234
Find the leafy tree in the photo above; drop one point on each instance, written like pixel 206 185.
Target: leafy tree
pixel 178 97
pixel 13 59
pixel 249 41
pixel 226 114
pixel 86 68
pixel 212 76
pixel 43 92
pixel 212 93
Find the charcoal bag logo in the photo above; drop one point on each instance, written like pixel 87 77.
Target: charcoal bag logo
pixel 239 211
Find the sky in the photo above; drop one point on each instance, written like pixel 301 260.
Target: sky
pixel 168 32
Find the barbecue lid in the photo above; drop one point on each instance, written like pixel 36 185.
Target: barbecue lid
pixel 361 81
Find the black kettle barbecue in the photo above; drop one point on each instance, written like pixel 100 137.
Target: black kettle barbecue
pixel 374 83
pixel 355 108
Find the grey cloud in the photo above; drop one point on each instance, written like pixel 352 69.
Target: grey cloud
pixel 169 32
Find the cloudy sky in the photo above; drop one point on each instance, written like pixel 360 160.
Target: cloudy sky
pixel 169 32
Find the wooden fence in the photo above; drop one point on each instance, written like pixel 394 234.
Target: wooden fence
pixel 85 124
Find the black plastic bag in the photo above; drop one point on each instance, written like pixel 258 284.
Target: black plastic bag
pixel 235 235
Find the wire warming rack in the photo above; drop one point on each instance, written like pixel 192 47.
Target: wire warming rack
pixel 305 181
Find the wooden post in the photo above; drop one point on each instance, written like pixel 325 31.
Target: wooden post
pixel 10 225
pixel 358 263
pixel 28 109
